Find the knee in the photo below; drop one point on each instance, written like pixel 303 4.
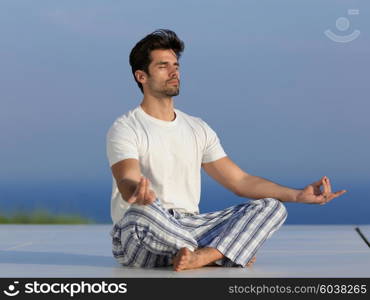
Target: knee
pixel 277 206
pixel 131 229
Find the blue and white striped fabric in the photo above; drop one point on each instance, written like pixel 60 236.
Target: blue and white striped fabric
pixel 150 236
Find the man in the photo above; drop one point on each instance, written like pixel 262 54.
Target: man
pixel 156 152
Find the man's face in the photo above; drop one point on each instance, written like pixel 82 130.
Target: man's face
pixel 164 76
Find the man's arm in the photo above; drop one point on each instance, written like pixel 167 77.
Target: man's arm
pixel 228 174
pixel 245 185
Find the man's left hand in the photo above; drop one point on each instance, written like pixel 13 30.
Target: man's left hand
pixel 312 193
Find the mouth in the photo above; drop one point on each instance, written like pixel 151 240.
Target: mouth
pixel 174 82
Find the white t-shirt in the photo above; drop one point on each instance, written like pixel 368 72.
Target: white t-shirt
pixel 170 154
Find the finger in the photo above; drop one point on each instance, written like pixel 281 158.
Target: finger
pixel 151 194
pixel 137 189
pixel 334 195
pixel 146 187
pixel 340 193
pixel 141 192
pixel 134 196
pixel 132 199
pixel 152 197
pixel 325 191
pixel 146 191
pixel 328 184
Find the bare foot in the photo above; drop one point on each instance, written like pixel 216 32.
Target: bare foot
pixel 186 259
pixel 251 262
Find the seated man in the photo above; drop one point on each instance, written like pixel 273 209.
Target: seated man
pixel 156 153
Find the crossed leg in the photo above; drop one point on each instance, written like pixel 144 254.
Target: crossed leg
pixel 147 234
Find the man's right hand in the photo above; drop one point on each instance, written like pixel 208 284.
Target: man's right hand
pixel 142 195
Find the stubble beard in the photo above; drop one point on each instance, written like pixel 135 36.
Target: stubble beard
pixel 172 91
pixel 167 90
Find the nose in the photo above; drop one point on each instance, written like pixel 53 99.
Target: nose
pixel 175 73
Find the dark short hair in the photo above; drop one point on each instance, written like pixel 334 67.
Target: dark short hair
pixel 140 58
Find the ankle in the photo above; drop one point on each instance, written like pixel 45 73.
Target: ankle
pixel 208 255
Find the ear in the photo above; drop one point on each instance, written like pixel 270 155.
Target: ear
pixel 141 76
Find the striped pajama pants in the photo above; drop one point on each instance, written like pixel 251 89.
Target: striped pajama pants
pixel 150 236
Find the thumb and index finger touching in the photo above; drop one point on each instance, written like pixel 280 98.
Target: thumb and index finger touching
pixel 327 193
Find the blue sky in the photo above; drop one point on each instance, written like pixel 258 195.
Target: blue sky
pixel 288 103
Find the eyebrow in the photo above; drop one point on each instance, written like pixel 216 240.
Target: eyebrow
pixel 166 63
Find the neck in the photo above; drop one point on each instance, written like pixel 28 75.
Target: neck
pixel 161 109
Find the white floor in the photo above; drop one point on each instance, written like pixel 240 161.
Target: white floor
pixel 85 251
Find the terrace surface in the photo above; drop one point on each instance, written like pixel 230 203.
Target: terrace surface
pixel 85 251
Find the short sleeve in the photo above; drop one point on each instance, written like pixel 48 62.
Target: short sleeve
pixel 121 143
pixel 213 149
